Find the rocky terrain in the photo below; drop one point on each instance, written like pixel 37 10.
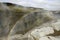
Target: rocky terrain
pixel 28 23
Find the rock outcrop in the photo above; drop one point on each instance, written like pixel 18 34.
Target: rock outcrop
pixel 27 23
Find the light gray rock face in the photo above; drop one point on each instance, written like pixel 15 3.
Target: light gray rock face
pixel 20 23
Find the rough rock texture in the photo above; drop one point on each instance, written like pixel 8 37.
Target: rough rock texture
pixel 26 23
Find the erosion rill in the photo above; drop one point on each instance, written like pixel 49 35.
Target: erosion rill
pixel 27 23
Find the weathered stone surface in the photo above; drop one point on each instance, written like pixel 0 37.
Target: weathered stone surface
pixel 44 38
pixel 56 25
pixel 37 33
pixel 16 20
